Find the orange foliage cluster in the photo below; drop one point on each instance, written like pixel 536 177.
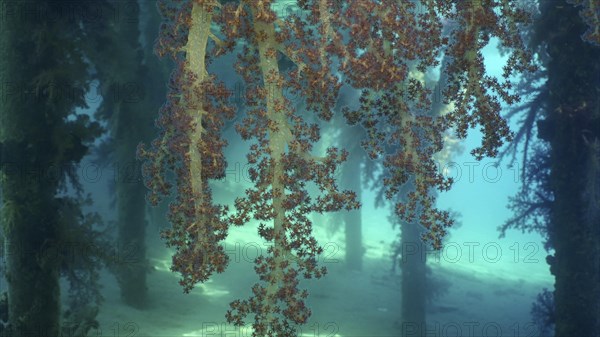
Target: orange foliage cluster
pixel 198 224
pixel 375 44
pixel 392 36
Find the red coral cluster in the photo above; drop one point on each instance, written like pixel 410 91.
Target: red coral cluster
pixel 284 165
pixel 190 146
pixel 389 38
pixel 376 44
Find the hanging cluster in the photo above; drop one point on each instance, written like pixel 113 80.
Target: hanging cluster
pixel 282 159
pixel 190 145
pixel 386 39
pixel 375 43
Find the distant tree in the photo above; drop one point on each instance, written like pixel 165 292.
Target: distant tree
pixel 352 177
pixel 130 93
pixel 409 252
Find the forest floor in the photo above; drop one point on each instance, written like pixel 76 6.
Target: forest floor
pixel 466 302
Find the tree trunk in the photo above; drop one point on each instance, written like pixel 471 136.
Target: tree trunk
pixel 351 180
pixel 132 122
pixel 573 130
pixel 156 75
pixel 29 209
pixel 131 207
pixel 29 222
pixel 45 76
pixel 413 266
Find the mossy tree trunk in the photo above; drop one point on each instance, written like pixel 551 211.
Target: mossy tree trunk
pixel 29 220
pixel 44 79
pixel 572 128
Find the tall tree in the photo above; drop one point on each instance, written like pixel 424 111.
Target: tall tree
pixel 156 75
pixel 45 77
pixel 572 128
pixel 409 251
pixel 130 91
pixel 351 177
pixel 560 197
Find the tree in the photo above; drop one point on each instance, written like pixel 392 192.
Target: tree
pixel 352 176
pixel 560 196
pixel 383 37
pixel 408 252
pixel 157 74
pixel 46 75
pixel 130 92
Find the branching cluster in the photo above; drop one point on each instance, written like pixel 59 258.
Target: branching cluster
pixel 387 38
pixel 190 144
pixel 375 43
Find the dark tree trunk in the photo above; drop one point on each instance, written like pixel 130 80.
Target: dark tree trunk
pixel 573 131
pixel 29 216
pixel 135 124
pixel 351 179
pixel 29 222
pixel 43 80
pixel 412 250
pixel 157 76
pixel 414 273
pixel 131 208
pixel 130 109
